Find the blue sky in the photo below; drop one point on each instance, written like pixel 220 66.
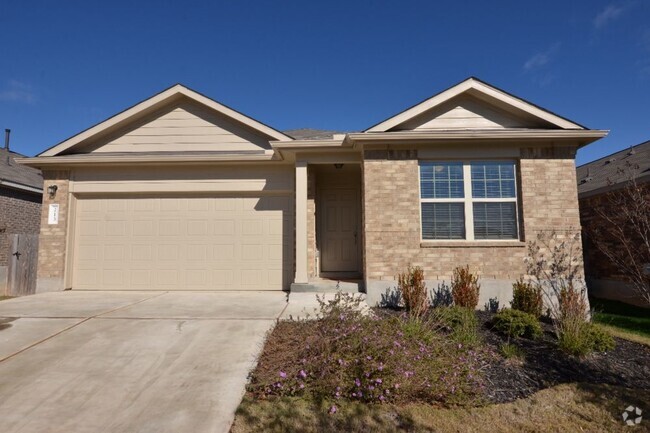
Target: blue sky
pixel 341 65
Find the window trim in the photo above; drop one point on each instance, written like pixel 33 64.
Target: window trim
pixel 469 201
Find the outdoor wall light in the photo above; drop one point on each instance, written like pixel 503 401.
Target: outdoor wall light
pixel 51 190
pixel 338 166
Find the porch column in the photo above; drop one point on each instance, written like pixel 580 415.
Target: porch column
pixel 301 223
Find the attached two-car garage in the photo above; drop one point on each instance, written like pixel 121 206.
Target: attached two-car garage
pixel 182 242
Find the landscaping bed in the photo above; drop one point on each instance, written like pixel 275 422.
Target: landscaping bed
pixel 544 365
pixel 389 366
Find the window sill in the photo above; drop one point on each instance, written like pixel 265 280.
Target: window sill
pixel 472 244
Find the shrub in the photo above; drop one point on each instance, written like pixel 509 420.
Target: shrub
pixel 572 322
pixel 599 339
pixel 441 297
pixel 492 305
pixel 511 351
pixel 515 324
pixel 461 322
pixel 372 359
pixel 465 288
pixel 414 292
pixel 527 297
pixel 588 338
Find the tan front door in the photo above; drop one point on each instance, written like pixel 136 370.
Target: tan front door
pixel 340 238
pixel 183 243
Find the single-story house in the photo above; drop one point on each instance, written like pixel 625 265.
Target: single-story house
pixel 21 192
pixel 597 182
pixel 180 192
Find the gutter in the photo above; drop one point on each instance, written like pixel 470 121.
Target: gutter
pixel 586 136
pixel 20 186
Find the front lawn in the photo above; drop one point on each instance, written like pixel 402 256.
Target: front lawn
pixel 562 408
pixel 622 319
pixel 453 369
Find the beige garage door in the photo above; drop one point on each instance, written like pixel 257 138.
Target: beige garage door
pixel 198 243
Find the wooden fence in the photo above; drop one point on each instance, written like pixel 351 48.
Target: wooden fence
pixel 23 260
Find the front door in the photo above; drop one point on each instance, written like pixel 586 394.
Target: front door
pixel 340 237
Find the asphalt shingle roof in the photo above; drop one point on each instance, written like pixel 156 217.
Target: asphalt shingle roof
pixel 311 134
pixel 11 171
pixel 612 169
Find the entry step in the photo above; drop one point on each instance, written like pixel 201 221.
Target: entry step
pixel 328 286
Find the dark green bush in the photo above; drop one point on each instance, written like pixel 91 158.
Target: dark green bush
pixel 599 339
pixel 515 324
pixel 461 321
pixel 527 297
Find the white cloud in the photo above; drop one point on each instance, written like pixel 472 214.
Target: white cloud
pixel 16 91
pixel 609 14
pixel 542 58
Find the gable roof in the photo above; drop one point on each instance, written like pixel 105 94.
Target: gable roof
pixel 611 170
pixel 167 96
pixel 475 87
pixel 18 176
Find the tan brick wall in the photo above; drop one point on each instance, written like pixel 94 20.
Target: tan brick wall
pixel 52 241
pixel 391 213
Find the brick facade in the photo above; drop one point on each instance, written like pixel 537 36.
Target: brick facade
pixel 391 217
pixel 52 241
pixel 597 265
pixel 20 213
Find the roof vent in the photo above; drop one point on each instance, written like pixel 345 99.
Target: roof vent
pixel 586 179
pixel 610 160
pixel 632 151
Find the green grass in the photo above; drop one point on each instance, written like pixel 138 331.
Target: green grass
pixel 622 318
pixel 511 351
pixel 2 297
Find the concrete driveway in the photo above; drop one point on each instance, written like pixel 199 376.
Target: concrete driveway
pixel 129 361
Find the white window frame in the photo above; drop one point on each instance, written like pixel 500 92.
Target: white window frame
pixel 468 200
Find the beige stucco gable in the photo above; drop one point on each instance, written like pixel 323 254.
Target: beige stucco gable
pixel 473 104
pixel 469 112
pixel 177 119
pixel 181 127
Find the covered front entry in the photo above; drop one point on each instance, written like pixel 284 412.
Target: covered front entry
pixel 183 242
pixel 338 220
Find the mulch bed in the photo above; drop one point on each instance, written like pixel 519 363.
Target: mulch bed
pixel 628 365
pixel 544 366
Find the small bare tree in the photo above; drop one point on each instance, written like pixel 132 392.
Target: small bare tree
pixel 554 264
pixel 621 230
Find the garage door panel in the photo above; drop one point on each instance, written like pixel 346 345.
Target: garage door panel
pixel 217 243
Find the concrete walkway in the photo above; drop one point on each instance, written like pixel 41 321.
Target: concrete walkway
pixel 129 361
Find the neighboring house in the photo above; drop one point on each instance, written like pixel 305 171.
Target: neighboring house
pixel 21 191
pixel 596 181
pixel 180 192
